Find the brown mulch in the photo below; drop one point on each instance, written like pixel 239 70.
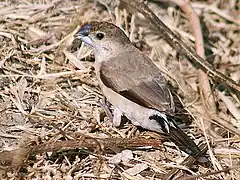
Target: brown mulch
pixel 52 125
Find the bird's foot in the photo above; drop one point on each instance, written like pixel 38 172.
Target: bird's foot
pixel 117 117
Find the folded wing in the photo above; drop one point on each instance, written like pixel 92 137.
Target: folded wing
pixel 137 78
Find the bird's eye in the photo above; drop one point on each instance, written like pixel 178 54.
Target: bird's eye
pixel 100 35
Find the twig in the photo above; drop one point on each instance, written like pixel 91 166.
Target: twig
pixel 206 92
pixel 231 107
pixel 47 76
pixel 17 157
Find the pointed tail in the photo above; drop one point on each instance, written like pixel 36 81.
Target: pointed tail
pixel 182 140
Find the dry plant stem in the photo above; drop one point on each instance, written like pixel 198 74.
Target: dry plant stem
pixel 207 96
pixel 180 46
pixel 224 123
pixel 90 142
pixel 187 162
pixel 16 157
pixel 225 170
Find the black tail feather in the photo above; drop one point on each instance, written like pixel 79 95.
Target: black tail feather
pixel 182 140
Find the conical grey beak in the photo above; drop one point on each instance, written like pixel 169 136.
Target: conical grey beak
pixel 82 34
pixel 83 31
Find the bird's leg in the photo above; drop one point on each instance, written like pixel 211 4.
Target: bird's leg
pixel 117 113
pixel 105 106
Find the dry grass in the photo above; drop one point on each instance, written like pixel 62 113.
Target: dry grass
pixel 51 123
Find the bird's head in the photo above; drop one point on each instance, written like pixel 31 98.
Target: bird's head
pixel 102 36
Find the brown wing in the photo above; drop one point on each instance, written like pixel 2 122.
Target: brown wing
pixel 134 76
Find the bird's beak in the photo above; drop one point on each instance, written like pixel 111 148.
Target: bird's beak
pixel 83 33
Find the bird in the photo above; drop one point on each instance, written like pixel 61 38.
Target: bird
pixel 132 83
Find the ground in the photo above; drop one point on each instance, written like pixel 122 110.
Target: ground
pixel 52 124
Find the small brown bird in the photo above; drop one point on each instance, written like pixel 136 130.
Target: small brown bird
pixel 132 83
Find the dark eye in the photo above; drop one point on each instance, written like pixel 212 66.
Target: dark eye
pixel 100 35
